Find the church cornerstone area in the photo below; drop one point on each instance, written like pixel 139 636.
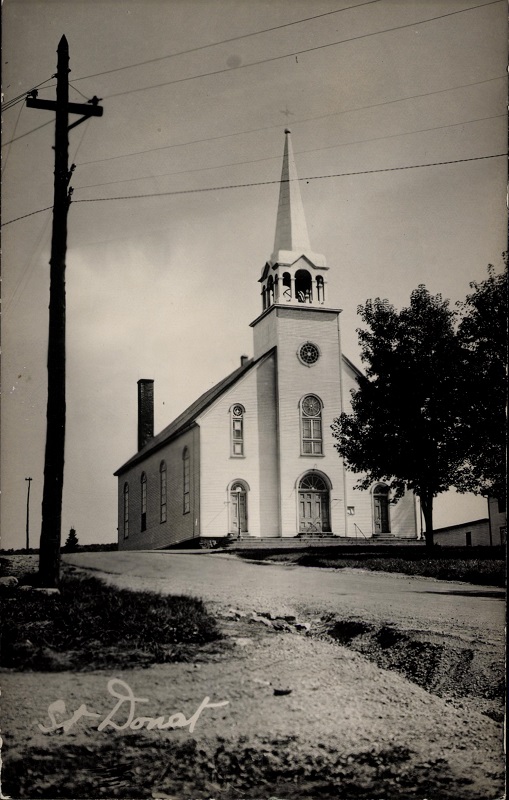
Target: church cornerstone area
pixel 292 711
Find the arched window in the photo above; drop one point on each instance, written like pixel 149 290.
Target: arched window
pixel 320 289
pixel 270 291
pixel 143 501
pixel 311 425
pixel 287 286
pixel 186 481
pixel 126 510
pixel 381 517
pixel 264 298
pixel 162 490
pixel 314 503
pixel 237 430
pixel 238 507
pixel 303 290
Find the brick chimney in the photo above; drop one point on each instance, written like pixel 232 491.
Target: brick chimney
pixel 145 411
pixel 243 360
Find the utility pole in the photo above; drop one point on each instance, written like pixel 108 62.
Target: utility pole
pixel 49 556
pixel 28 513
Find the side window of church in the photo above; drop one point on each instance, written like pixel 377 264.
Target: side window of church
pixel 186 481
pixel 126 510
pixel 162 487
pixel 143 502
pixel 311 425
pixel 237 430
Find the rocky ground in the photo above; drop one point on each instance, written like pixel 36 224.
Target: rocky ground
pixel 312 712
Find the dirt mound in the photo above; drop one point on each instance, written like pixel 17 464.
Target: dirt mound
pixel 440 664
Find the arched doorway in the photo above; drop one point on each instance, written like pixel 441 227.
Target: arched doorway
pixel 381 509
pixel 238 508
pixel 314 504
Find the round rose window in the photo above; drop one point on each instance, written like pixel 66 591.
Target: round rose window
pixel 309 353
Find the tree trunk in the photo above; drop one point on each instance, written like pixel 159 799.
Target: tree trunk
pixel 427 510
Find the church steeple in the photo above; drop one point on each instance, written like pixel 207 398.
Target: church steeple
pixel 291 228
pixel 294 274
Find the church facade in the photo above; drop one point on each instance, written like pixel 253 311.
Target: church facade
pixel 254 456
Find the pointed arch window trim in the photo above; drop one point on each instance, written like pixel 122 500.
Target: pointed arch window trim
pixel 143 483
pixel 163 489
pixel 311 428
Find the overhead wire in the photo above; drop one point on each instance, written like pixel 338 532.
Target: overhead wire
pixel 299 52
pixel 225 41
pixel 19 97
pixel 294 122
pixel 297 152
pixel 266 183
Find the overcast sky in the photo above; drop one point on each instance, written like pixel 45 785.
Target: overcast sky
pixel 162 283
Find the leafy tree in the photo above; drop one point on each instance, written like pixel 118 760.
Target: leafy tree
pixel 71 544
pixel 405 425
pixel 483 334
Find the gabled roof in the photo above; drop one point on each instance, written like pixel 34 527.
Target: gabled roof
pixel 188 417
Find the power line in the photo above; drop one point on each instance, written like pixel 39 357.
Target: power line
pixel 14 100
pixel 294 122
pixel 299 52
pixel 32 213
pixel 264 183
pixel 297 152
pixel 267 183
pixel 22 135
pixel 225 41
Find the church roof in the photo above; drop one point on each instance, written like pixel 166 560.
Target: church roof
pixel 292 238
pixel 188 417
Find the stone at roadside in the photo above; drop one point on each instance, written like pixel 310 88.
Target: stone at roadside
pixel 242 641
pixel 263 620
pixel 7 584
pixel 290 618
pixel 281 625
pixel 302 626
pixel 46 590
pixel 282 690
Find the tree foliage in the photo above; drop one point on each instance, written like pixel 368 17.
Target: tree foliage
pixel 483 335
pixel 71 543
pixel 405 425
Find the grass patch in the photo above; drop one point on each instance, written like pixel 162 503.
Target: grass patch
pixel 478 571
pixel 90 625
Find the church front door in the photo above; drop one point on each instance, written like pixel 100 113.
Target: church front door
pixel 238 505
pixel 313 505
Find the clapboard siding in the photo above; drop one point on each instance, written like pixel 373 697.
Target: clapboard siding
pixel 255 392
pixel 179 526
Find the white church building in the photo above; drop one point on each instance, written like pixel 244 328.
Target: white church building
pixel 254 456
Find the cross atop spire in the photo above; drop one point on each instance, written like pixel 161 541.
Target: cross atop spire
pixel 292 239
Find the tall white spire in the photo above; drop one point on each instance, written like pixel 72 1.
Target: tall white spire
pixel 292 239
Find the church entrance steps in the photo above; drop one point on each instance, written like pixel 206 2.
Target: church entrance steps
pixel 305 542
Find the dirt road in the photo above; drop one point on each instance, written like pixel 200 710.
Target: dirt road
pixel 471 613
pixel 305 718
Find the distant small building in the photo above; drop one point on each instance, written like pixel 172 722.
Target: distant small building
pixel 466 534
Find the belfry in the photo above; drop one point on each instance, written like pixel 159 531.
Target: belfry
pixel 253 457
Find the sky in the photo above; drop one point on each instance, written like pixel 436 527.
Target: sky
pixel 176 189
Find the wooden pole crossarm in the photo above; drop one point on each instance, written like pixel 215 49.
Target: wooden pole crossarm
pixel 87 109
